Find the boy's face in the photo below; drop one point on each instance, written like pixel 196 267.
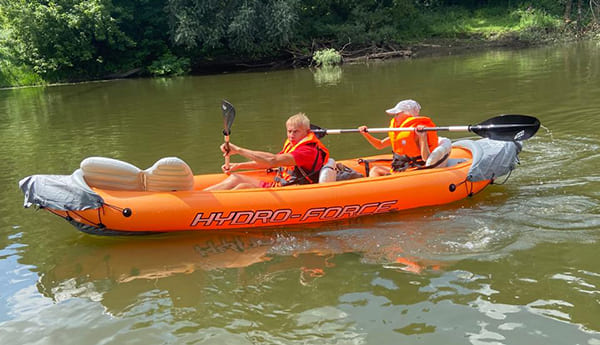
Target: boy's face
pixel 295 133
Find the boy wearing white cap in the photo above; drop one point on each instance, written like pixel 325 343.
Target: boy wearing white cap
pixel 411 148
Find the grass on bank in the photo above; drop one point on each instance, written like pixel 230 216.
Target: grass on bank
pixel 12 75
pixel 493 23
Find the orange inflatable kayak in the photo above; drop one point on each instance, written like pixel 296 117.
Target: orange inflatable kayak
pixel 110 197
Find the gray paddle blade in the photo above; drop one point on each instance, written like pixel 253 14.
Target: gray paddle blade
pixel 228 116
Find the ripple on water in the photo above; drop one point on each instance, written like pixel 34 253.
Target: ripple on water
pixel 558 212
pixel 581 280
pixel 547 156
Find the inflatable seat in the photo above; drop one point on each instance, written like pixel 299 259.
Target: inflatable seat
pixel 112 174
pixel 438 158
pixel 328 172
pixel 167 174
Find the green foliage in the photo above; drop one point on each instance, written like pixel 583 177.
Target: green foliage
pixel 64 37
pixel 327 57
pixel 551 7
pixel 145 23
pixel 244 27
pixel 460 22
pixel 11 72
pixel 57 40
pixel 535 24
pixel 169 64
pixel 17 75
pixel 532 19
pixel 530 23
pixel 360 21
pixel 254 28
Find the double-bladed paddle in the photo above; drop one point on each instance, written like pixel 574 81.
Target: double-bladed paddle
pixel 228 116
pixel 508 127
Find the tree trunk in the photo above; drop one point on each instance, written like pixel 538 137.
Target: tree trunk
pixel 579 11
pixel 568 11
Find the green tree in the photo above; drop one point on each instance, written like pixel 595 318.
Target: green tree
pixel 247 28
pixel 65 38
pixel 84 39
pixel 145 23
pixel 361 21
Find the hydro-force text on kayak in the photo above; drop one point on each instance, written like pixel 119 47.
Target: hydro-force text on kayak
pixel 282 215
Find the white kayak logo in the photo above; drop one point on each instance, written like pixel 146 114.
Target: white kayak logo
pixel 519 134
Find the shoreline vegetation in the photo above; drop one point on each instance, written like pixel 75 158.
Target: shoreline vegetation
pixel 64 41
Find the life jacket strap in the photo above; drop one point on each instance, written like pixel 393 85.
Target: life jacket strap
pixel 403 162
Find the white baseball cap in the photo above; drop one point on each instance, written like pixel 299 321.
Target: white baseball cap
pixel 408 106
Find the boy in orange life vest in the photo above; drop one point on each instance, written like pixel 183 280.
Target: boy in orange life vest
pixel 410 149
pixel 302 157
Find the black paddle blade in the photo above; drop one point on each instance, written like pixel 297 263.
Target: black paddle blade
pixel 319 132
pixel 508 127
pixel 228 116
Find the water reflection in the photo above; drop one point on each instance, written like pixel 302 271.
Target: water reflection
pixel 327 75
pixel 104 266
pixel 515 264
pixel 342 282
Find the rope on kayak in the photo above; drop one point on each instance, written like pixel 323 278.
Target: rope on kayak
pixel 114 207
pixel 505 180
pixel 99 225
pixel 469 190
pixel 68 217
pixel 126 212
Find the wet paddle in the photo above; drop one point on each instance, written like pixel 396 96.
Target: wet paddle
pixel 508 127
pixel 228 116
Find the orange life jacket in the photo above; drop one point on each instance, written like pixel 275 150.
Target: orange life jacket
pixel 406 143
pixel 297 175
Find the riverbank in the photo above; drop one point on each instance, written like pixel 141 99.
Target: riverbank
pixel 136 39
pixel 26 77
pixel 419 49
pixel 455 46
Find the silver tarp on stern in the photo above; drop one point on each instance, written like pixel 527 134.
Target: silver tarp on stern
pixel 491 158
pixel 59 192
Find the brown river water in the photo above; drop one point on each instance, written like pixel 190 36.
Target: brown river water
pixel 515 264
